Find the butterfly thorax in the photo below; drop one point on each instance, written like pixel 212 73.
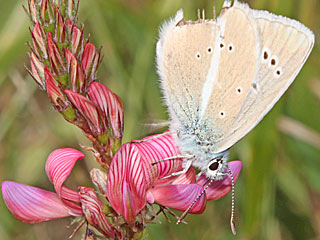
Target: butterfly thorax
pixel 191 142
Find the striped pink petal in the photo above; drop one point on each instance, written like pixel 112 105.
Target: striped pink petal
pixel 32 10
pixel 88 59
pixel 156 149
pixel 76 74
pixel 37 70
pixel 180 197
pixel 93 209
pixel 187 178
pixel 77 38
pixel 30 204
pixel 58 167
pixel 219 189
pixel 55 55
pixel 87 109
pixel 38 40
pixel 71 199
pixel 110 104
pixel 126 188
pixel 54 92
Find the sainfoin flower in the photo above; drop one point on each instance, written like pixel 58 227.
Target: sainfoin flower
pixel 32 205
pixel 133 181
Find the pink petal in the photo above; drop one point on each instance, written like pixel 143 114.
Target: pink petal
pixel 88 56
pixel 88 111
pixel 186 178
pixel 30 204
pixel 59 165
pixel 153 150
pixel 72 199
pixel 219 189
pixel 54 55
pixel 54 92
pixel 180 197
pixel 93 210
pixel 37 69
pixel 38 40
pixel 76 74
pixel 77 38
pixel 126 189
pixel 110 104
pixel 32 10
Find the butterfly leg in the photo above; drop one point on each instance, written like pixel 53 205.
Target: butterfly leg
pixel 186 166
pixel 173 158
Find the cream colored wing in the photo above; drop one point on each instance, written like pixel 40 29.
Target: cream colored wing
pixel 231 76
pixel 184 53
pixel 285 45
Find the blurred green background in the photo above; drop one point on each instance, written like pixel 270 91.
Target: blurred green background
pixel 278 191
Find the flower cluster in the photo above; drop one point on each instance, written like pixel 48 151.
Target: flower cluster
pixel 64 64
pixel 131 184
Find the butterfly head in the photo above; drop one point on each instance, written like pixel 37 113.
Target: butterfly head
pixel 216 169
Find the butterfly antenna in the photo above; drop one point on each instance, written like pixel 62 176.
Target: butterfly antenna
pixel 233 228
pixel 197 198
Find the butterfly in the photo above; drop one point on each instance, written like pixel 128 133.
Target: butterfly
pixel 221 76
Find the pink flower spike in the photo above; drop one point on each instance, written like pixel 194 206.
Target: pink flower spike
pixel 126 188
pixel 93 210
pixel 110 104
pixel 219 189
pixel 32 205
pixel 180 197
pixel 88 110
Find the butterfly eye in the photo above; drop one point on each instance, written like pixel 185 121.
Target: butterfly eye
pixel 214 166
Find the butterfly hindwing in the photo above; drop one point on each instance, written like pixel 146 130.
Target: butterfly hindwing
pixel 285 45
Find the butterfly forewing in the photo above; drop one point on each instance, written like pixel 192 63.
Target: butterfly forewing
pixel 285 46
pixel 235 68
pixel 184 57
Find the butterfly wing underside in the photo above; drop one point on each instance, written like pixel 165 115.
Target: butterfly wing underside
pixel 222 77
pixel 184 53
pixel 285 45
